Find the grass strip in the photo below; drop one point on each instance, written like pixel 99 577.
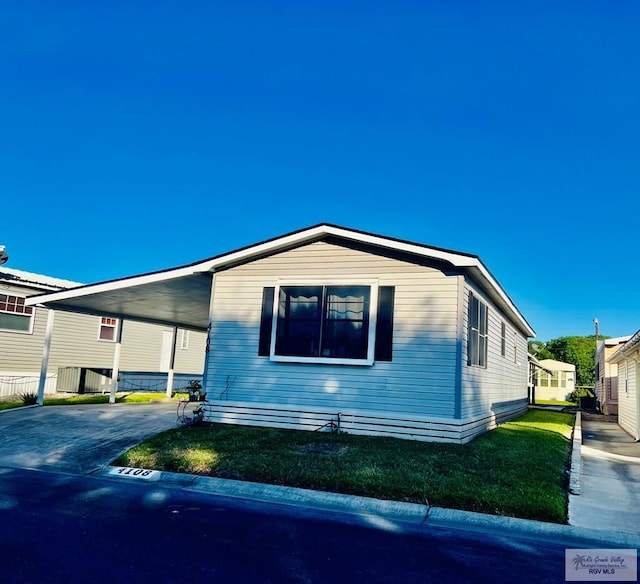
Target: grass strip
pixel 517 469
pixel 121 398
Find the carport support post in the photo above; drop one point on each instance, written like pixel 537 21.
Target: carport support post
pixel 172 363
pixel 45 356
pixel 115 372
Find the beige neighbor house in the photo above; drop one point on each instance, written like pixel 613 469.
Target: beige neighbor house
pixel 555 380
pixel 627 359
pixel 81 351
pixel 607 374
pixel 332 328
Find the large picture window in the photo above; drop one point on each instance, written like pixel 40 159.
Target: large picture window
pixel 337 323
pixel 14 315
pixel 323 321
pixel 477 334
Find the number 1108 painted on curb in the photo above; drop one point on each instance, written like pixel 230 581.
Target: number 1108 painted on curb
pixel 139 473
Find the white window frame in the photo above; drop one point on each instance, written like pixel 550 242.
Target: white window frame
pixel 114 327
pixel 30 316
pixel 373 318
pixel 184 341
pixel 483 356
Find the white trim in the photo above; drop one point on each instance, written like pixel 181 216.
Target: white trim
pixel 373 319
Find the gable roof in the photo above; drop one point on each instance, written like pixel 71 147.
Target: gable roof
pixel 554 365
pixel 180 296
pixel 629 348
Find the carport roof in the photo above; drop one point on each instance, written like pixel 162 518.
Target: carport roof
pixel 180 296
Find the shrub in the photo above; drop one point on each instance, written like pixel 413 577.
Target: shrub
pixel 29 398
pixel 576 394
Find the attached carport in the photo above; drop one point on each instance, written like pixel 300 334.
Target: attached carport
pixel 176 298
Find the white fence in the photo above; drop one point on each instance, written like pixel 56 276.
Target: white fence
pixel 17 384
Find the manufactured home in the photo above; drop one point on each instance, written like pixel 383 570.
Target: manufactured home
pixel 81 351
pixel 627 360
pixel 330 327
pixel 555 380
pixel 607 375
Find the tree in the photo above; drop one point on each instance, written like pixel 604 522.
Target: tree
pixel 539 350
pixel 579 351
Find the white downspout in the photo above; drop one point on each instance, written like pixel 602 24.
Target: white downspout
pixel 45 356
pixel 172 362
pixel 116 364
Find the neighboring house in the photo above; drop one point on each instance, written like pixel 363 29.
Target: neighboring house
pixel 329 326
pixel 555 381
pixel 607 374
pixel 534 367
pixel 82 346
pixel 627 359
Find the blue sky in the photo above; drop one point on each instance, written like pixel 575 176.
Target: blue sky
pixel 143 135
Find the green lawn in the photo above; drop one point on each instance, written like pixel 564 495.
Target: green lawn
pixel 518 469
pixel 142 397
pixel 554 402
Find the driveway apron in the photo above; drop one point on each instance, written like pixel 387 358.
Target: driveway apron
pixel 77 439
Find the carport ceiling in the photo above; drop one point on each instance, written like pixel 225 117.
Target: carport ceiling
pixel 181 301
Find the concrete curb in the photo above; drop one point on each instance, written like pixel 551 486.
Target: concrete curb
pixel 392 515
pixel 576 456
pixel 18 408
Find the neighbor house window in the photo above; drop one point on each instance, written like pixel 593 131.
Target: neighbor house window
pixel 184 344
pixel 542 379
pixel 503 339
pixel 108 327
pixel 14 315
pixel 477 332
pixel 337 323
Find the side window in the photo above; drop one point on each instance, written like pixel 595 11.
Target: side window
pixel 184 343
pixel 477 335
pixel 14 315
pixel 108 328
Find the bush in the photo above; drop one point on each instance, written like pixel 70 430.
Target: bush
pixel 29 398
pixel 576 394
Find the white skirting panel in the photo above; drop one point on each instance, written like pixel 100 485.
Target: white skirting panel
pixel 361 422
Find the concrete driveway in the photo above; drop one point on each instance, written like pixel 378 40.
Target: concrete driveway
pixel 78 439
pixel 610 477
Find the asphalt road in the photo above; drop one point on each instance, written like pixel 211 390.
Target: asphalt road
pixel 58 527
